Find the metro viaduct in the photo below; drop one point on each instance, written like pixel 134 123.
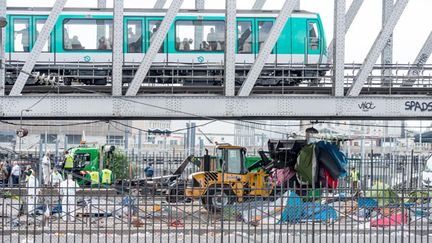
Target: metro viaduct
pixel 81 107
pixel 341 104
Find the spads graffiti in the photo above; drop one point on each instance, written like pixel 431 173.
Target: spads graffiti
pixel 418 106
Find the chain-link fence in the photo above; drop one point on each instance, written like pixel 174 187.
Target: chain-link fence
pixel 377 200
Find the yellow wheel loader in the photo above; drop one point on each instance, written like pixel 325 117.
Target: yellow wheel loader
pixel 226 179
pixel 230 177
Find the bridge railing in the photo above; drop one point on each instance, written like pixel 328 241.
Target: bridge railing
pixel 212 74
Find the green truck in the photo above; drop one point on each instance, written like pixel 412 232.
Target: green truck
pixel 91 158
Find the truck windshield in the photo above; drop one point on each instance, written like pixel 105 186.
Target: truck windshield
pixel 81 160
pixel 234 158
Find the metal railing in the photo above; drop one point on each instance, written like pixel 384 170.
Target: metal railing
pixel 389 203
pixel 279 76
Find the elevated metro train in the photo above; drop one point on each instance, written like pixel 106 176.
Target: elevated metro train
pixel 84 38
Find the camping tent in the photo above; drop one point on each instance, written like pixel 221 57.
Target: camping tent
pixel 383 194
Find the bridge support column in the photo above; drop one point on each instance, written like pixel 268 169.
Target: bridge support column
pixel 349 18
pixel 419 62
pixel 2 49
pixel 199 5
pixel 155 45
pixel 258 5
pixel 102 3
pixel 339 48
pixel 387 52
pixel 377 47
pixel 37 48
pixel 268 46
pixel 160 4
pixel 117 57
pixel 230 47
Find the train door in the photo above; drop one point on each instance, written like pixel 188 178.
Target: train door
pixel 20 37
pixel 313 43
pixel 263 27
pixel 134 40
pixel 47 51
pixel 245 40
pixel 152 26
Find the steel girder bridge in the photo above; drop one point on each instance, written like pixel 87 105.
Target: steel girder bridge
pixel 357 91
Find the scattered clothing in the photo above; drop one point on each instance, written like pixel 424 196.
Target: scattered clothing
pixel 393 220
pixel 281 176
pixel 329 156
pixel 306 166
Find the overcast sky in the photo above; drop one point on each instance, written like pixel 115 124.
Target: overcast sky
pixel 410 33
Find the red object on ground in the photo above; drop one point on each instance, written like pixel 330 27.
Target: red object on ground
pixel 177 224
pixel 392 220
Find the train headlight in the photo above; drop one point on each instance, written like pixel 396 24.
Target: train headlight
pixel 3 22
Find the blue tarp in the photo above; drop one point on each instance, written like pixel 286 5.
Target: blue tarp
pixel 292 212
pixel 367 203
pixel 297 211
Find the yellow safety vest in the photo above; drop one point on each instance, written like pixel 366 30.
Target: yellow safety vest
pixel 106 176
pixel 94 176
pixel 69 162
pixel 354 176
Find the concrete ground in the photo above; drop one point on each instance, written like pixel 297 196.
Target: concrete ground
pixel 217 237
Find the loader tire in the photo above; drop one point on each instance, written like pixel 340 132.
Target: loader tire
pixel 217 198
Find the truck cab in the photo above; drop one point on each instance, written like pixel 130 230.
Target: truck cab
pixel 231 159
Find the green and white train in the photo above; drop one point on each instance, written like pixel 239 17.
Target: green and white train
pixel 85 36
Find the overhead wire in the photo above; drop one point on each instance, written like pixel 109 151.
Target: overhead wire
pixel 51 125
pixel 188 113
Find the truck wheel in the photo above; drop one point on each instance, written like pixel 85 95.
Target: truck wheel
pixel 216 199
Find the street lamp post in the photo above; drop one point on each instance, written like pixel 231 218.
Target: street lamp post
pixel 21 129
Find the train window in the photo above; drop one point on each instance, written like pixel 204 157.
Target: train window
pixel 21 35
pixel 244 41
pixel 191 32
pixel 39 25
pixel 134 36
pixel 153 27
pixel 87 34
pixel 264 28
pixel 313 36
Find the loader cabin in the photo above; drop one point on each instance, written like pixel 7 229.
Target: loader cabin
pixel 231 159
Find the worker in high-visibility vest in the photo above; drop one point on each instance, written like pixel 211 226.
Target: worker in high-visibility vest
pixel 94 177
pixel 107 176
pixel 68 162
pixel 354 177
